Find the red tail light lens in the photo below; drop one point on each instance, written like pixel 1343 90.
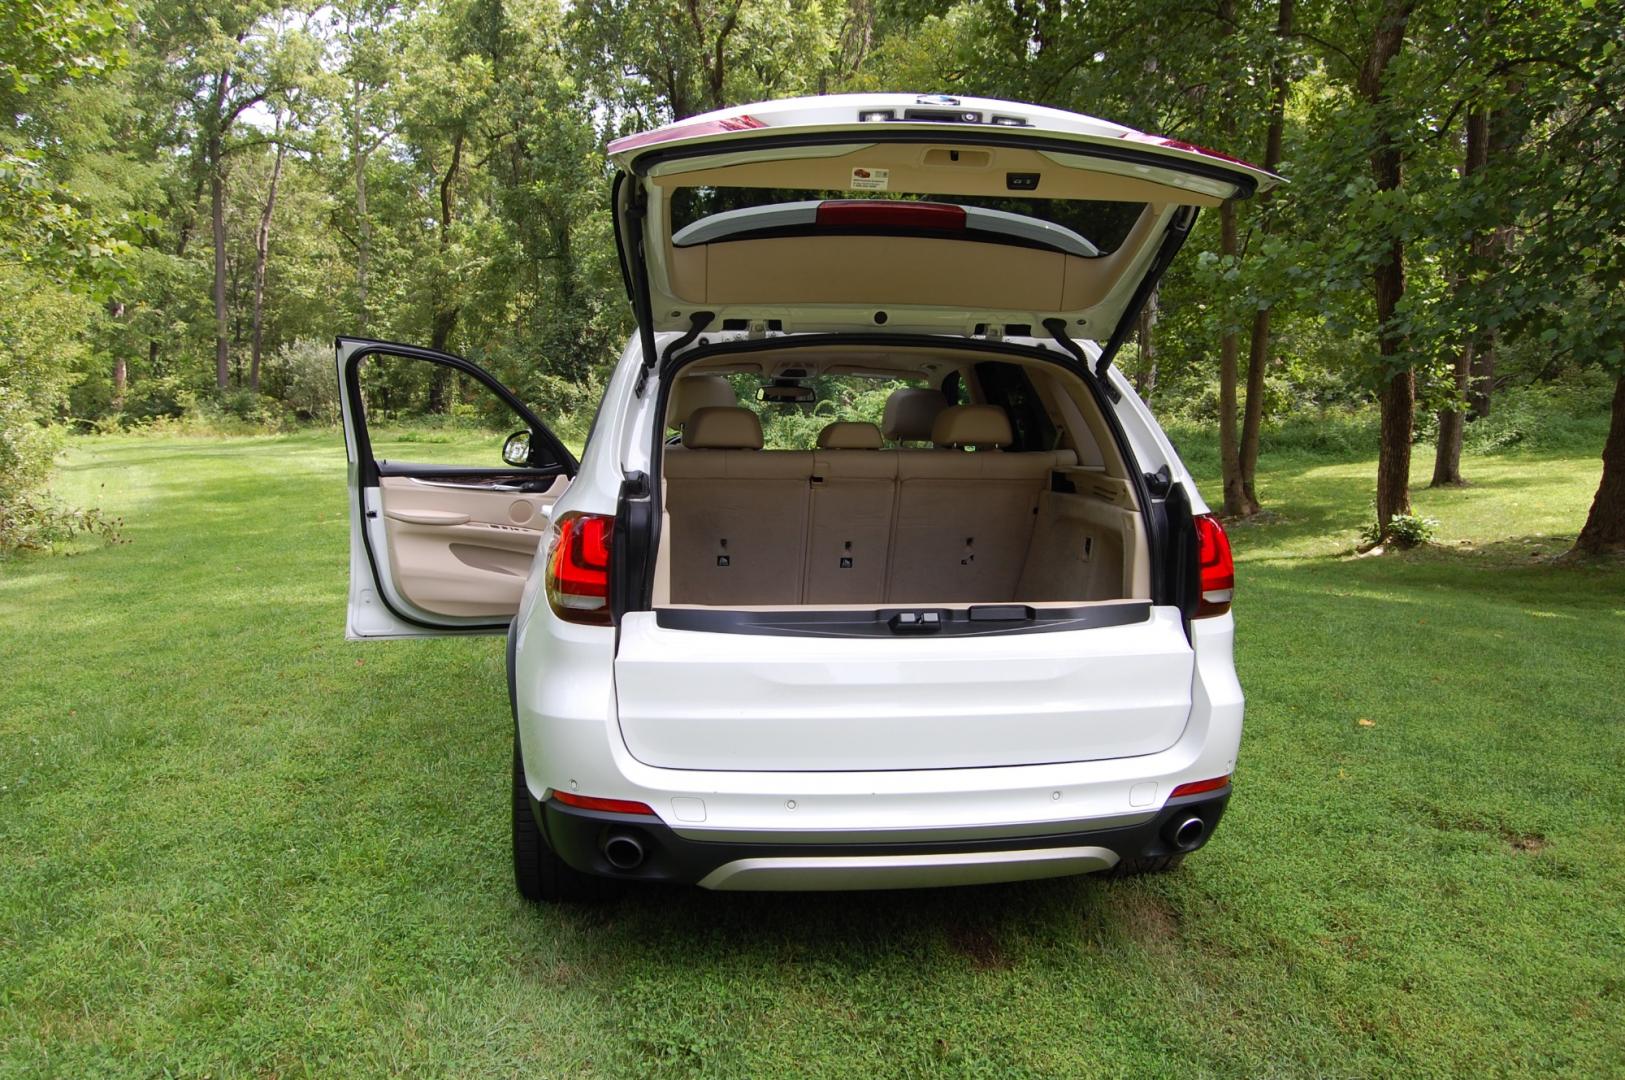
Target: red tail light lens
pixel 578 569
pixel 1197 787
pixel 1218 568
pixel 609 806
pixel 889 214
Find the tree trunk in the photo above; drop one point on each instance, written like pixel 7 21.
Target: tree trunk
pixel 1504 134
pixel 1397 394
pixel 217 219
pixel 1235 503
pixel 1604 531
pixel 1452 421
pixel 1452 426
pixel 1258 348
pixel 444 320
pixel 262 251
pixel 1145 379
pixel 363 224
pixel 121 369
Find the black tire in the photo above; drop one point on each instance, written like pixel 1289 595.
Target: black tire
pixel 539 874
pixel 1158 864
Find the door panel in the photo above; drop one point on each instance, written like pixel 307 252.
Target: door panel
pixel 443 545
pixel 463 551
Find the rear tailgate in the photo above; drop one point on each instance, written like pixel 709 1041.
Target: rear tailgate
pixel 696 699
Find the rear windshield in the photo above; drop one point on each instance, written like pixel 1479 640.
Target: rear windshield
pixel 1101 225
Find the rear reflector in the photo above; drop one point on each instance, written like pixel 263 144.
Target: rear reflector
pixel 608 806
pixel 1218 569
pixel 1197 787
pixel 889 214
pixel 578 570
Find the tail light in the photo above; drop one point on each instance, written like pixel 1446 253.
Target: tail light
pixel 578 569
pixel 1218 570
pixel 610 806
pixel 889 214
pixel 1197 787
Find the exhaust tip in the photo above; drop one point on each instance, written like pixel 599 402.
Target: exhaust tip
pixel 1188 833
pixel 624 851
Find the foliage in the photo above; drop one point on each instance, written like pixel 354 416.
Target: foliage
pixel 1402 530
pixel 300 376
pixel 32 521
pixel 443 183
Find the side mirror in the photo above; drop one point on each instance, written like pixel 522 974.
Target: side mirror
pixel 516 450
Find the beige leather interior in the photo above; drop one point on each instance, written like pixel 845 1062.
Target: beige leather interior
pixel 984 426
pixel 697 392
pixel 850 523
pixel 849 435
pixel 722 427
pixel 462 550
pixel 765 527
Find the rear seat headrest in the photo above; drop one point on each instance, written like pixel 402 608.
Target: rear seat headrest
pixel 849 435
pixel 982 426
pixel 693 392
pixel 722 427
pixel 910 413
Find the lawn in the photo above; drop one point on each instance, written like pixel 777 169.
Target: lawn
pixel 232 843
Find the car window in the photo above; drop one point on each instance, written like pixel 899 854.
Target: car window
pixel 1085 227
pixel 839 398
pixel 431 414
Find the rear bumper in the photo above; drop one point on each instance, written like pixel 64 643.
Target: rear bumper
pixel 810 862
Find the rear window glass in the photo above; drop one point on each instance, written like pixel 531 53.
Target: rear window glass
pixel 839 398
pixel 1104 225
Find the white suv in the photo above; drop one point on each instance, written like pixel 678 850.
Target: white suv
pixel 986 639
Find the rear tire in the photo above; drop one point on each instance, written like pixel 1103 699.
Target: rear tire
pixel 539 874
pixel 1158 864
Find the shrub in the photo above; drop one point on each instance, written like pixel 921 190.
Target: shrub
pixel 302 376
pixel 1404 530
pixel 34 521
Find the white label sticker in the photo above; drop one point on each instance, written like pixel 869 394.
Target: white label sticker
pixel 870 179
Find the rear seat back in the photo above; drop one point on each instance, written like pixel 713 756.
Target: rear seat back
pixel 838 526
pixel 738 514
pixel 849 541
pixel 964 520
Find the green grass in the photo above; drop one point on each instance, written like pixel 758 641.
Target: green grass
pixel 232 843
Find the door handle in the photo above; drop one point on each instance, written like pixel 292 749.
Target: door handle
pixel 428 517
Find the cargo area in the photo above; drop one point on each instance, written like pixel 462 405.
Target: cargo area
pixel 994 486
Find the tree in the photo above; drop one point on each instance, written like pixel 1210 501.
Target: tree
pixel 222 62
pixel 1281 69
pixel 1452 419
pixel 1397 392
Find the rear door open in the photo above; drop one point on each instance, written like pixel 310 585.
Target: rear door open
pixel 904 213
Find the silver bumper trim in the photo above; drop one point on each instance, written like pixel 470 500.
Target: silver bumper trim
pixel 832 872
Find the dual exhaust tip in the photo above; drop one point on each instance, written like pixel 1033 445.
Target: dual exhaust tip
pixel 623 851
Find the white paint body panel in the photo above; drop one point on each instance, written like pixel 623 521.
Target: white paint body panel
pixel 692 700
pixel 572 738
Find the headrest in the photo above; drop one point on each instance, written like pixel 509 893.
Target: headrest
pixel 910 412
pixel 722 427
pixel 981 426
pixel 696 392
pixel 849 435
